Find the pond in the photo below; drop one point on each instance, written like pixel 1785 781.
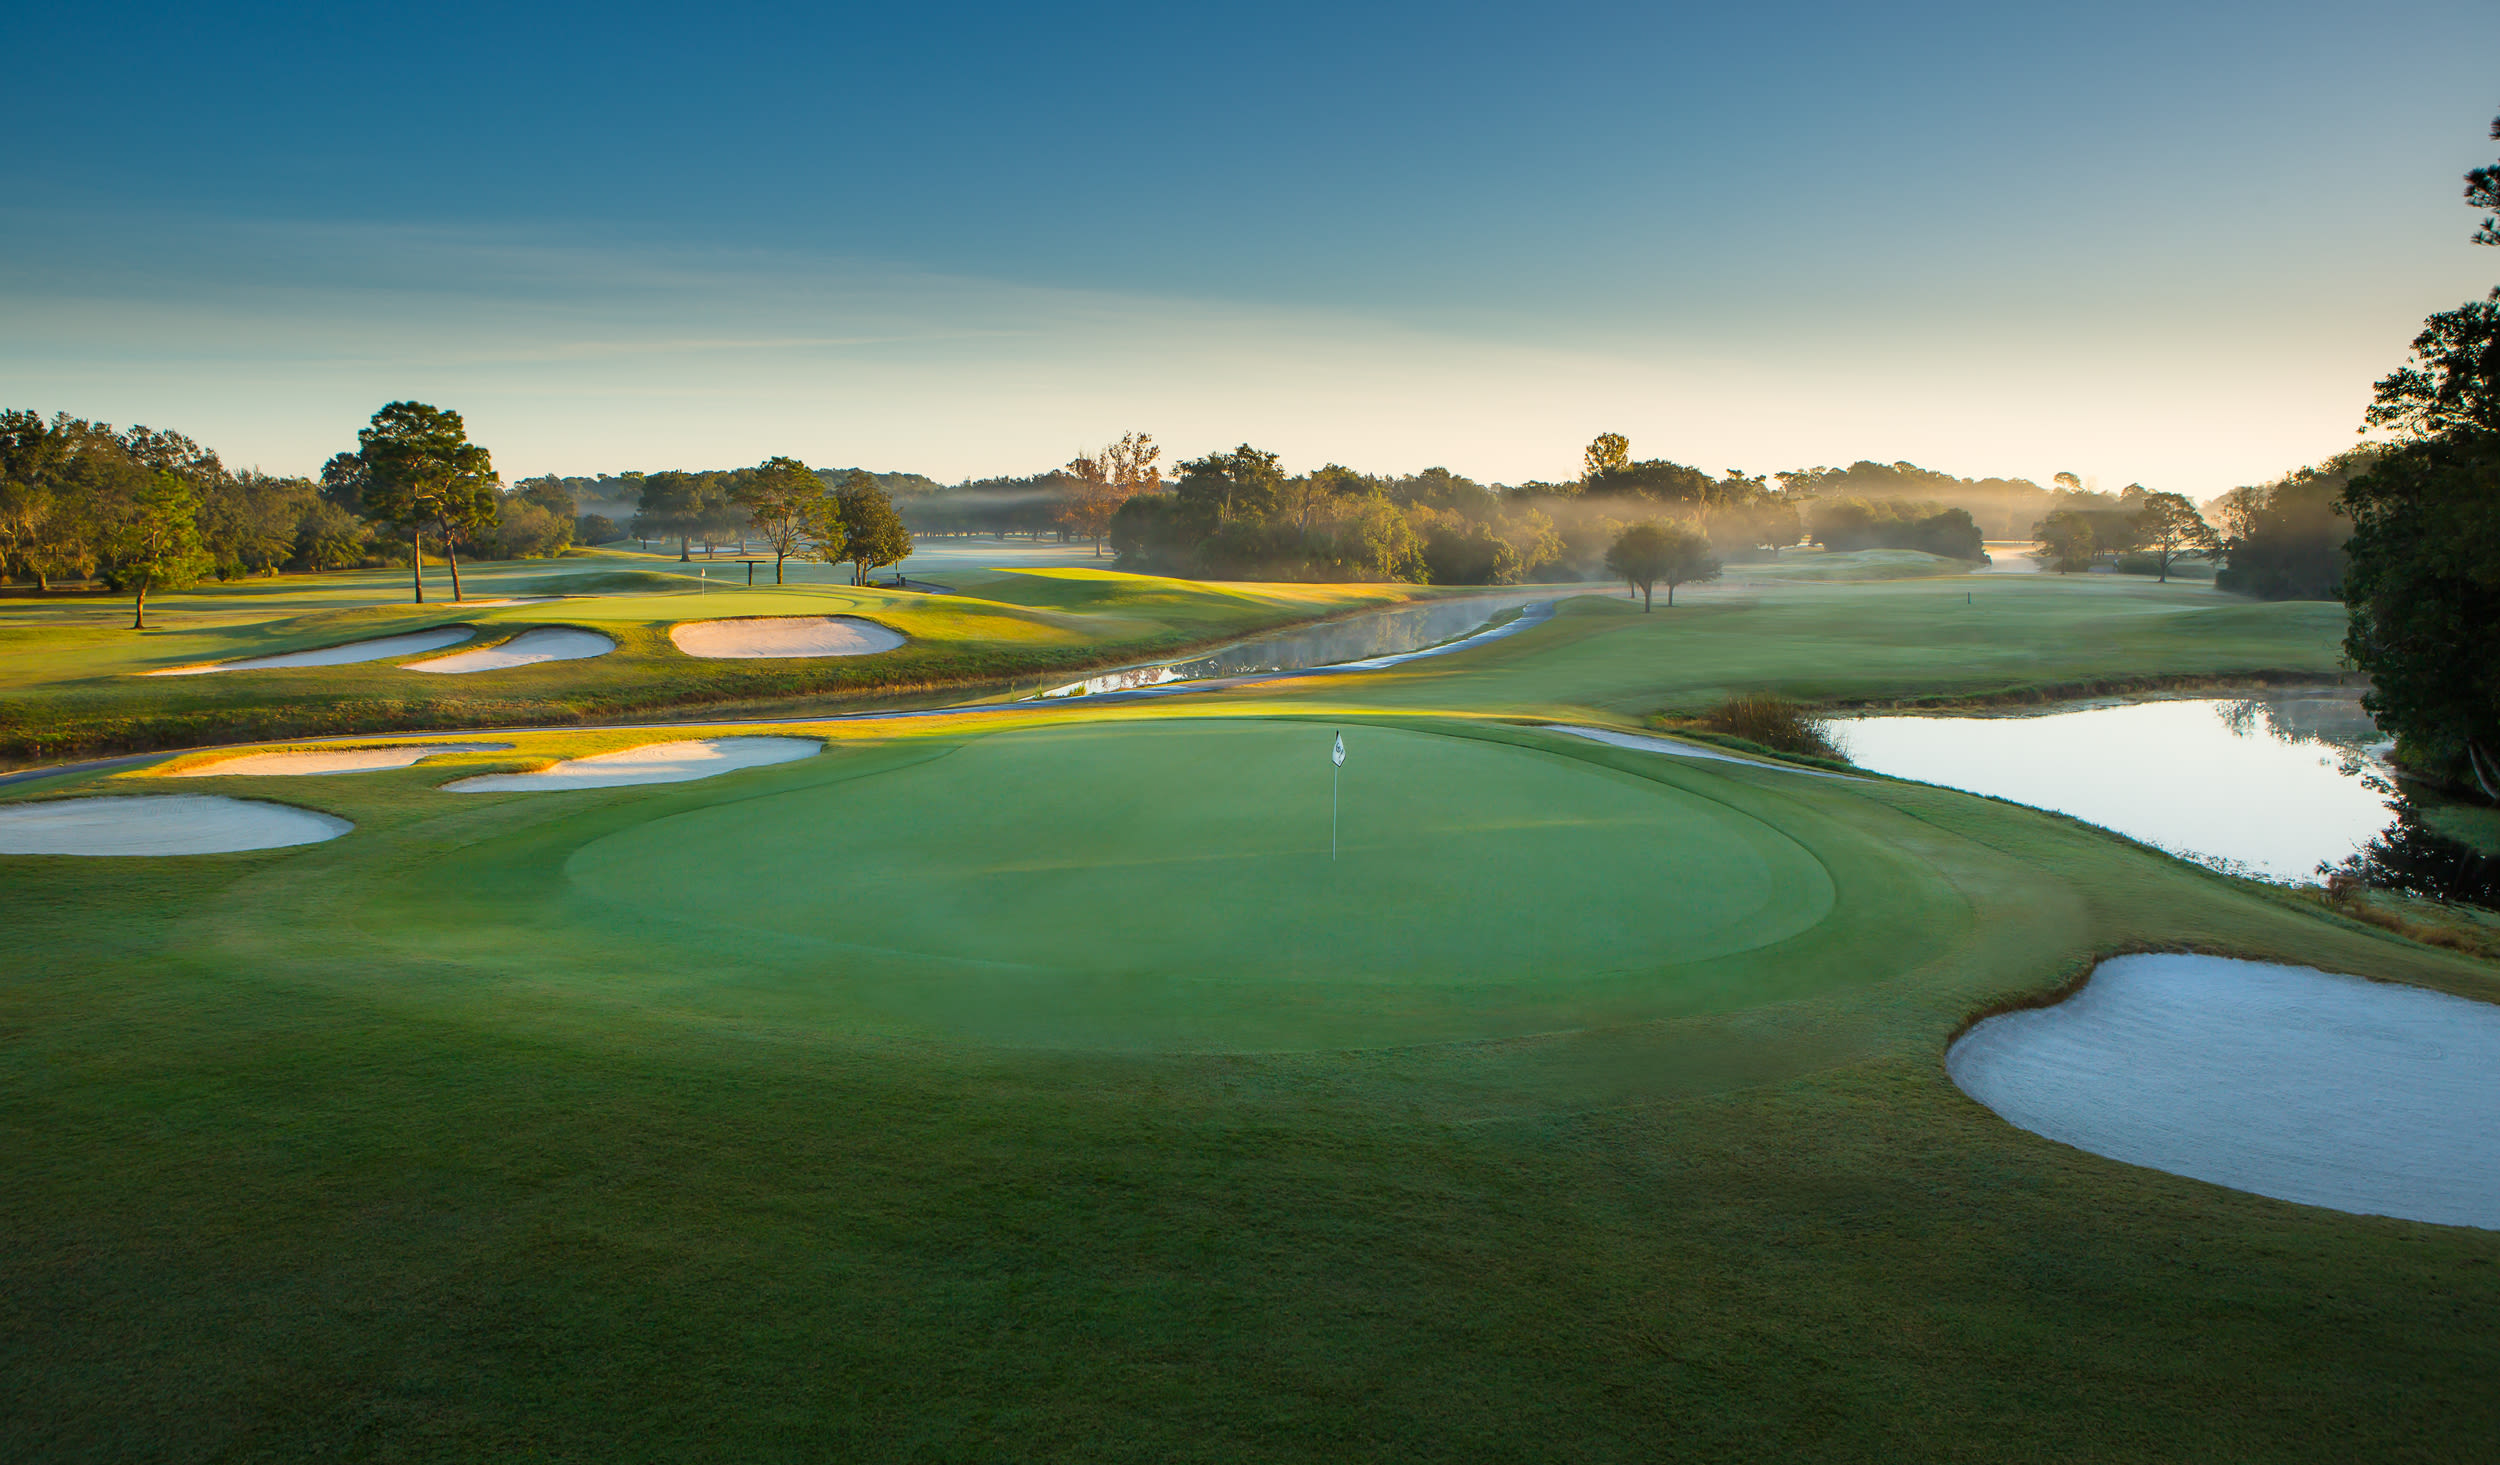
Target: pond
pixel 2272 785
pixel 1397 631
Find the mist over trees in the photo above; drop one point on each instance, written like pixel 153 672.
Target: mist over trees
pixel 2285 540
pixel 2002 508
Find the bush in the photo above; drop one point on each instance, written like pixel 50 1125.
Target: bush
pixel 1849 523
pixel 1775 723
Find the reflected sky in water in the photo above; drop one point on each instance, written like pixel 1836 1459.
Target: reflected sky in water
pixel 2270 786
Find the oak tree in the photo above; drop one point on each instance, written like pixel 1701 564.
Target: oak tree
pixel 2168 527
pixel 421 470
pixel 782 499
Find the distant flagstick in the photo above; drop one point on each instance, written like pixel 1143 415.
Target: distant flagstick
pixel 1336 757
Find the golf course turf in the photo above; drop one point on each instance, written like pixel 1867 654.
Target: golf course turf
pixel 75 678
pixel 1028 1084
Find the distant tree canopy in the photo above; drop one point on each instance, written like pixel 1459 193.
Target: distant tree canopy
pixel 2285 540
pixel 1237 514
pixel 67 487
pixel 1856 523
pixel 2003 508
pixel 1654 553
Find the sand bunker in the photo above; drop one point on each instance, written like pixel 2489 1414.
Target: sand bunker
pixel 652 763
pixel 763 636
pixel 2286 1081
pixel 1675 749
pixel 410 644
pixel 551 643
pixel 171 824
pixel 331 760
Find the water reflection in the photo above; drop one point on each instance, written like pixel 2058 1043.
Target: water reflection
pixel 1335 643
pixel 2408 856
pixel 2273 785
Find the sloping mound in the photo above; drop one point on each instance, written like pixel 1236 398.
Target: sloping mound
pixel 783 636
pixel 680 762
pixel 2285 1081
pixel 331 760
pixel 411 644
pixel 547 643
pixel 170 824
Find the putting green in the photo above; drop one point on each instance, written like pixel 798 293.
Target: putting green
pixel 1167 884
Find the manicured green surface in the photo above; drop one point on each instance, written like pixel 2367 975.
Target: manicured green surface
pixel 72 672
pixel 1481 890
pixel 674 1123
pixel 1970 636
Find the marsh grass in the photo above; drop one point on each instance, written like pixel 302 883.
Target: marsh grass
pixel 1776 723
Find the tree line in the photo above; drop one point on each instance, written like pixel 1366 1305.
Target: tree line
pixel 139 508
pixel 2421 583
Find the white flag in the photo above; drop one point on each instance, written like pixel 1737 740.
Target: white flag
pixel 1338 757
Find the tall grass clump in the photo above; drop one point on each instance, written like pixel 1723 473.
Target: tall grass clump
pixel 1775 723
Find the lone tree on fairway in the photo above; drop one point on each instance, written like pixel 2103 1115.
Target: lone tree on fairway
pixel 783 500
pixel 1108 479
pixel 1651 554
pixel 2066 537
pixel 152 540
pixel 421 469
pixel 2168 526
pixel 872 534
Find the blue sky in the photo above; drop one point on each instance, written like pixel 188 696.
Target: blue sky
pixel 2168 243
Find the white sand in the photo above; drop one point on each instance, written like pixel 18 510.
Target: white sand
pixel 2286 1081
pixel 763 636
pixel 1675 749
pixel 172 824
pixel 354 651
pixel 681 762
pixel 548 643
pixel 331 760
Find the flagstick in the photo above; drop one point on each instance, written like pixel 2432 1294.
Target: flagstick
pixel 1333 775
